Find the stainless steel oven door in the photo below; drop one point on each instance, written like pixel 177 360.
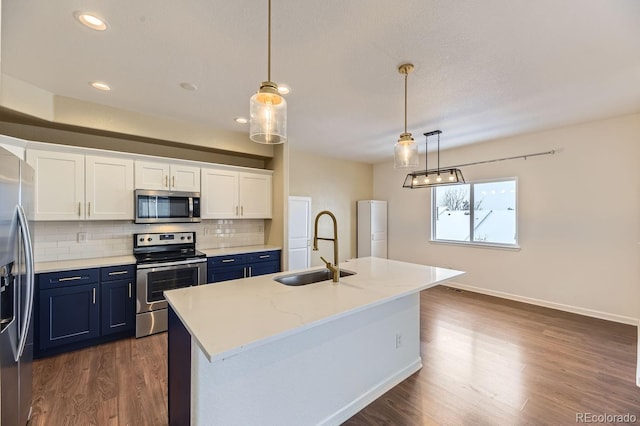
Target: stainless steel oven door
pixel 154 279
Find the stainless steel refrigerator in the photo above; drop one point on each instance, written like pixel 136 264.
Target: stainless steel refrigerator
pixel 16 289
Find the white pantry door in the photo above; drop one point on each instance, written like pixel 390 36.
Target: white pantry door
pixel 299 232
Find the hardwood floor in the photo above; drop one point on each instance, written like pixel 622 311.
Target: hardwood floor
pixel 487 361
pixel 118 383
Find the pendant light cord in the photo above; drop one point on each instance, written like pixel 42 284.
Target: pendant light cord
pixel 269 46
pixel 438 153
pixel 406 74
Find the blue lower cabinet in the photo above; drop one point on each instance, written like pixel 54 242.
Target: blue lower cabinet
pixel 84 307
pixel 264 268
pixel 226 273
pixel 233 267
pixel 68 314
pixel 118 306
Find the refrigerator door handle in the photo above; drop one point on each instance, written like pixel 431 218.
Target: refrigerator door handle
pixel 28 254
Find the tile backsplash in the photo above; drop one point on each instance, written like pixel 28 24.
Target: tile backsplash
pixel 83 240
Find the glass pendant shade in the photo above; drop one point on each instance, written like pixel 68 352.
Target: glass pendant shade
pixel 268 115
pixel 405 152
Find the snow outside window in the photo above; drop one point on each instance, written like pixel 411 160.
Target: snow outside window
pixel 476 213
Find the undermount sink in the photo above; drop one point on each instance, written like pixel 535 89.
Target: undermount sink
pixel 310 277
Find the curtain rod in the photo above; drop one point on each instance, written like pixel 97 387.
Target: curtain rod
pixel 553 151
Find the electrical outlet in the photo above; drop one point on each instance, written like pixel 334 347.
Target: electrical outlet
pixel 398 340
pixel 82 237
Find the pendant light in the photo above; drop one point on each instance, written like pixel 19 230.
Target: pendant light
pixel 267 109
pixel 427 178
pixel 405 150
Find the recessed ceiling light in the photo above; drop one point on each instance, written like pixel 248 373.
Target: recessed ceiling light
pixel 100 85
pixel 188 86
pixel 283 89
pixel 91 21
pixel 241 120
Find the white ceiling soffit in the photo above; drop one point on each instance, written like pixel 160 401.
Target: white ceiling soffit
pixel 484 69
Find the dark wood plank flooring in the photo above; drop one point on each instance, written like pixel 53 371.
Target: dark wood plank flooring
pixel 487 361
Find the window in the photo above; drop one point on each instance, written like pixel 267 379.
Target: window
pixel 481 213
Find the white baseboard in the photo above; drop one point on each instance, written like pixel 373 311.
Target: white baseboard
pixel 559 306
pixel 374 393
pixel 638 354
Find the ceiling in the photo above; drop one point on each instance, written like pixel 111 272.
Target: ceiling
pixel 483 69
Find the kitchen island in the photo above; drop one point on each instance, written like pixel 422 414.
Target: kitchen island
pixel 255 351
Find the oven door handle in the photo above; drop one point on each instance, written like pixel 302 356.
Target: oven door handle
pixel 168 264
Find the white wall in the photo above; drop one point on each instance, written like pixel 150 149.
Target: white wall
pixel 334 185
pixel 578 213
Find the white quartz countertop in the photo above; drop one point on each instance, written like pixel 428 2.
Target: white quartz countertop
pixel 237 250
pixel 98 262
pixel 229 317
pixel 95 262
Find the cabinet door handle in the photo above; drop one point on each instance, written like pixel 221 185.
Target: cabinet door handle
pixel 173 181
pixel 79 207
pixel 228 260
pixel 89 208
pixel 69 279
pixel 117 273
pixel 236 210
pixel 241 210
pixel 166 181
pixel 94 295
pixel 129 290
pixel 250 272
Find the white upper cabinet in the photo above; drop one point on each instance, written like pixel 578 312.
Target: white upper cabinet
pixel 74 187
pixel 229 194
pixel 166 176
pixel 219 196
pixel 108 188
pixel 255 195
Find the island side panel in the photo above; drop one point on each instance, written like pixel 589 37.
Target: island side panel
pixel 179 364
pixel 322 375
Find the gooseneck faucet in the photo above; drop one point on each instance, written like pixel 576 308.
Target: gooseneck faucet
pixel 335 271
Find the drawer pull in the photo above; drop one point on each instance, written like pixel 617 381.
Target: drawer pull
pixel 228 260
pixel 265 256
pixel 117 273
pixel 70 279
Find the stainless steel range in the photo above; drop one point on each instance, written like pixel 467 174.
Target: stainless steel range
pixel 163 262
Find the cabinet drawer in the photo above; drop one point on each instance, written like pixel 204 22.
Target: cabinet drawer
pixel 122 272
pixel 221 261
pixel 68 278
pixel 263 256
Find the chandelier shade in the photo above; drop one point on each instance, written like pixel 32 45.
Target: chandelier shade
pixel 433 177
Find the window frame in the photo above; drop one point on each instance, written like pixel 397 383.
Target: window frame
pixel 471 185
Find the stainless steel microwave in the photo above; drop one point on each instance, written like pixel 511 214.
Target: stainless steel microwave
pixel 166 206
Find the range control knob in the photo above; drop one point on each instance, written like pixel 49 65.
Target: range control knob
pixel 141 239
pixel 149 239
pixel 188 238
pixel 182 238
